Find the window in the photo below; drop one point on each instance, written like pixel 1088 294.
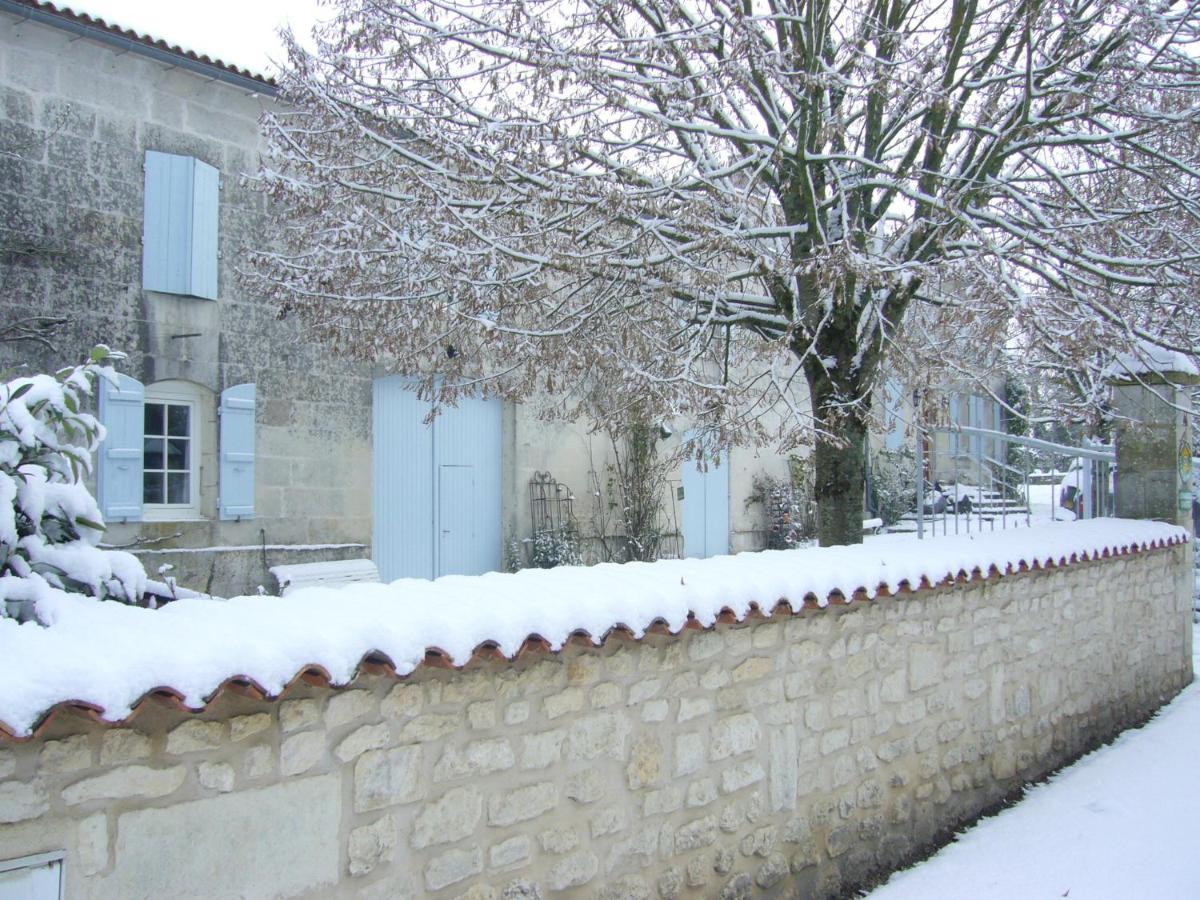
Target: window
pixel 33 877
pixel 179 229
pixel 170 454
pixel 149 465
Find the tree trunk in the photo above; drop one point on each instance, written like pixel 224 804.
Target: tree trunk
pixel 839 475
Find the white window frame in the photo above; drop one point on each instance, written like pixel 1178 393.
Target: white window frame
pixel 36 862
pixel 178 393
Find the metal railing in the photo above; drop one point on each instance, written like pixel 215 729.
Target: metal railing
pixel 980 484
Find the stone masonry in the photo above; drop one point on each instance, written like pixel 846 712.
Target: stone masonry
pixel 795 756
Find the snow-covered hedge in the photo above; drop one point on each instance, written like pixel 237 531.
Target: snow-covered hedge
pixel 49 522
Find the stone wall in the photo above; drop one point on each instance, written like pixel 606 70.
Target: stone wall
pixel 791 756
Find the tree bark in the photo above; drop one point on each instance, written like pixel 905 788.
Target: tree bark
pixel 839 476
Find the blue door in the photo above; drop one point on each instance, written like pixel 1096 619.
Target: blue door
pixel 436 487
pixel 706 507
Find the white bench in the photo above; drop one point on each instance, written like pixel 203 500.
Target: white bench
pixel 336 573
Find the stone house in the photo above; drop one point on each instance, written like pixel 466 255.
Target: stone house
pixel 236 441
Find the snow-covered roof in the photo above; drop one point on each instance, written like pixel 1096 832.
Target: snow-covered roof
pixel 106 658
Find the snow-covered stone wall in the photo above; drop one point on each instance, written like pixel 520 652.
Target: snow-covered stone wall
pixel 793 755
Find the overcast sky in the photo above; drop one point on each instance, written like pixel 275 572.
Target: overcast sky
pixel 242 32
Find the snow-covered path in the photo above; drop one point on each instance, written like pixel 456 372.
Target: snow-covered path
pixel 1122 822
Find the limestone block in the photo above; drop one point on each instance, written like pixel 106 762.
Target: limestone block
pixel 714 679
pixel 452 867
pixel 924 665
pixel 701 793
pixel 127 781
pixel 213 848
pixel 559 840
pixel 259 761
pixel 122 745
pixel 643 691
pixel 22 800
pixel 837 739
pixel 605 695
pixel 521 890
pixel 784 769
pixel 541 750
pixel 683 683
pixel 429 727
pixel 362 739
pixel 761 842
pixel 697 833
pixel 510 854
pixel 655 711
pixel 627 887
pixel 346 706
pixel 297 714
pixel 733 736
pixel 591 737
pixel 645 763
pixel 689 753
pixel 371 844
pixel 242 727
pixel 450 818
pixel 575 870
pixel 8 763
pixel 741 776
pixel 704 645
pixel 516 713
pixel 301 752
pixel 482 714
pixel 754 668
pixel 403 701
pixel 92 844
pixel 670 884
pixel 215 776
pixel 773 871
pixel 691 707
pixel 585 787
pixel 479 758
pixel 523 803
pixel 582 668
pixel 663 801
pixel 195 735
pixel 73 754
pixel 568 701
pixel 387 777
pixel 608 821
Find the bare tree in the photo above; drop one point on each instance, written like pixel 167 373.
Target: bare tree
pixel 697 206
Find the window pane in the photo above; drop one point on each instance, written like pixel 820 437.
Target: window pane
pixel 177 420
pixel 153 418
pixel 177 487
pixel 152 447
pixel 152 487
pixel 177 454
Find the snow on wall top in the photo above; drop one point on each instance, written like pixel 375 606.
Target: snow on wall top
pixel 106 658
pixel 1150 359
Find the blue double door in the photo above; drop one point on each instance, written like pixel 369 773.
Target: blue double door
pixel 436 486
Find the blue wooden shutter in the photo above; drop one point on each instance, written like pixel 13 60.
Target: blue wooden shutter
pixel 237 452
pixel 205 193
pixel 119 467
pixel 167 223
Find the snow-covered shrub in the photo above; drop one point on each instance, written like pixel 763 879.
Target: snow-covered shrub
pixel 556 548
pixel 49 521
pixel 787 510
pixel 895 485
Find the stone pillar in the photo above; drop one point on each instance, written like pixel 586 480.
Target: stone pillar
pixel 1154 444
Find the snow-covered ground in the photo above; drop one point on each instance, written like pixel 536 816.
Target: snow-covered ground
pixel 1122 822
